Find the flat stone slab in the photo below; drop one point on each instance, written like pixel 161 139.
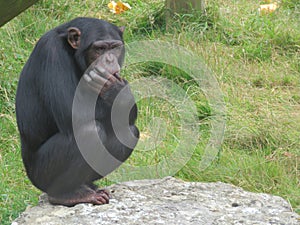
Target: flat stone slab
pixel 168 201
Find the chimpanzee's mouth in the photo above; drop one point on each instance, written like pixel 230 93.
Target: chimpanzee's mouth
pixel 117 75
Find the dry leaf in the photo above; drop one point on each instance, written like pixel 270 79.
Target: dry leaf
pixel 268 8
pixel 118 7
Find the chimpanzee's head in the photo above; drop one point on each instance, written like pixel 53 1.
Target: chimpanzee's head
pixel 99 40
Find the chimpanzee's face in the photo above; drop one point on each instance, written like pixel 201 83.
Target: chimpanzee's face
pixel 108 53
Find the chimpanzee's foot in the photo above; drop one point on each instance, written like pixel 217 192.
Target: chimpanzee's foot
pixel 104 191
pixel 82 195
pixel 98 190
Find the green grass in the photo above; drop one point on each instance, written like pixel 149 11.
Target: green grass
pixel 255 58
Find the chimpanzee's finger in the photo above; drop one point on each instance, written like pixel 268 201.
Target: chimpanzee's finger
pixel 97 78
pixel 95 82
pixel 87 78
pixel 100 87
pixel 104 73
pixel 101 71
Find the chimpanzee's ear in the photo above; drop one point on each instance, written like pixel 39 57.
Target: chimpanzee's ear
pixel 74 37
pixel 122 29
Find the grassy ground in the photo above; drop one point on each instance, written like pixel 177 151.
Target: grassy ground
pixel 255 58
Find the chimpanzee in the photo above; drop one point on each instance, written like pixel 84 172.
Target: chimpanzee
pixel 44 99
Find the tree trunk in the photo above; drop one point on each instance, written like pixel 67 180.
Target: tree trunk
pixel 181 6
pixel 11 8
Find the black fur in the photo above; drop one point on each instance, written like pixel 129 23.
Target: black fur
pixel 44 109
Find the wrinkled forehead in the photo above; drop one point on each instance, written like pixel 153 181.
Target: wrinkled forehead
pixel 110 36
pixel 104 36
pixel 107 32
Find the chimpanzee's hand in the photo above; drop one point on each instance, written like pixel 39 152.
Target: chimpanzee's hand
pixel 102 82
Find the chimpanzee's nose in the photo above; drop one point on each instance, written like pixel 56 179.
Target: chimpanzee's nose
pixel 110 58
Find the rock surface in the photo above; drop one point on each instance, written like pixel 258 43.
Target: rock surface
pixel 168 201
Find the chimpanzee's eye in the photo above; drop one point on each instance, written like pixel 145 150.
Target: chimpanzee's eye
pixel 100 48
pixel 116 45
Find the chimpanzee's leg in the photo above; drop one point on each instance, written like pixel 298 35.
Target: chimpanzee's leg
pixel 59 169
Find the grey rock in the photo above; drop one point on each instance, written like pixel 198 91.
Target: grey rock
pixel 168 201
